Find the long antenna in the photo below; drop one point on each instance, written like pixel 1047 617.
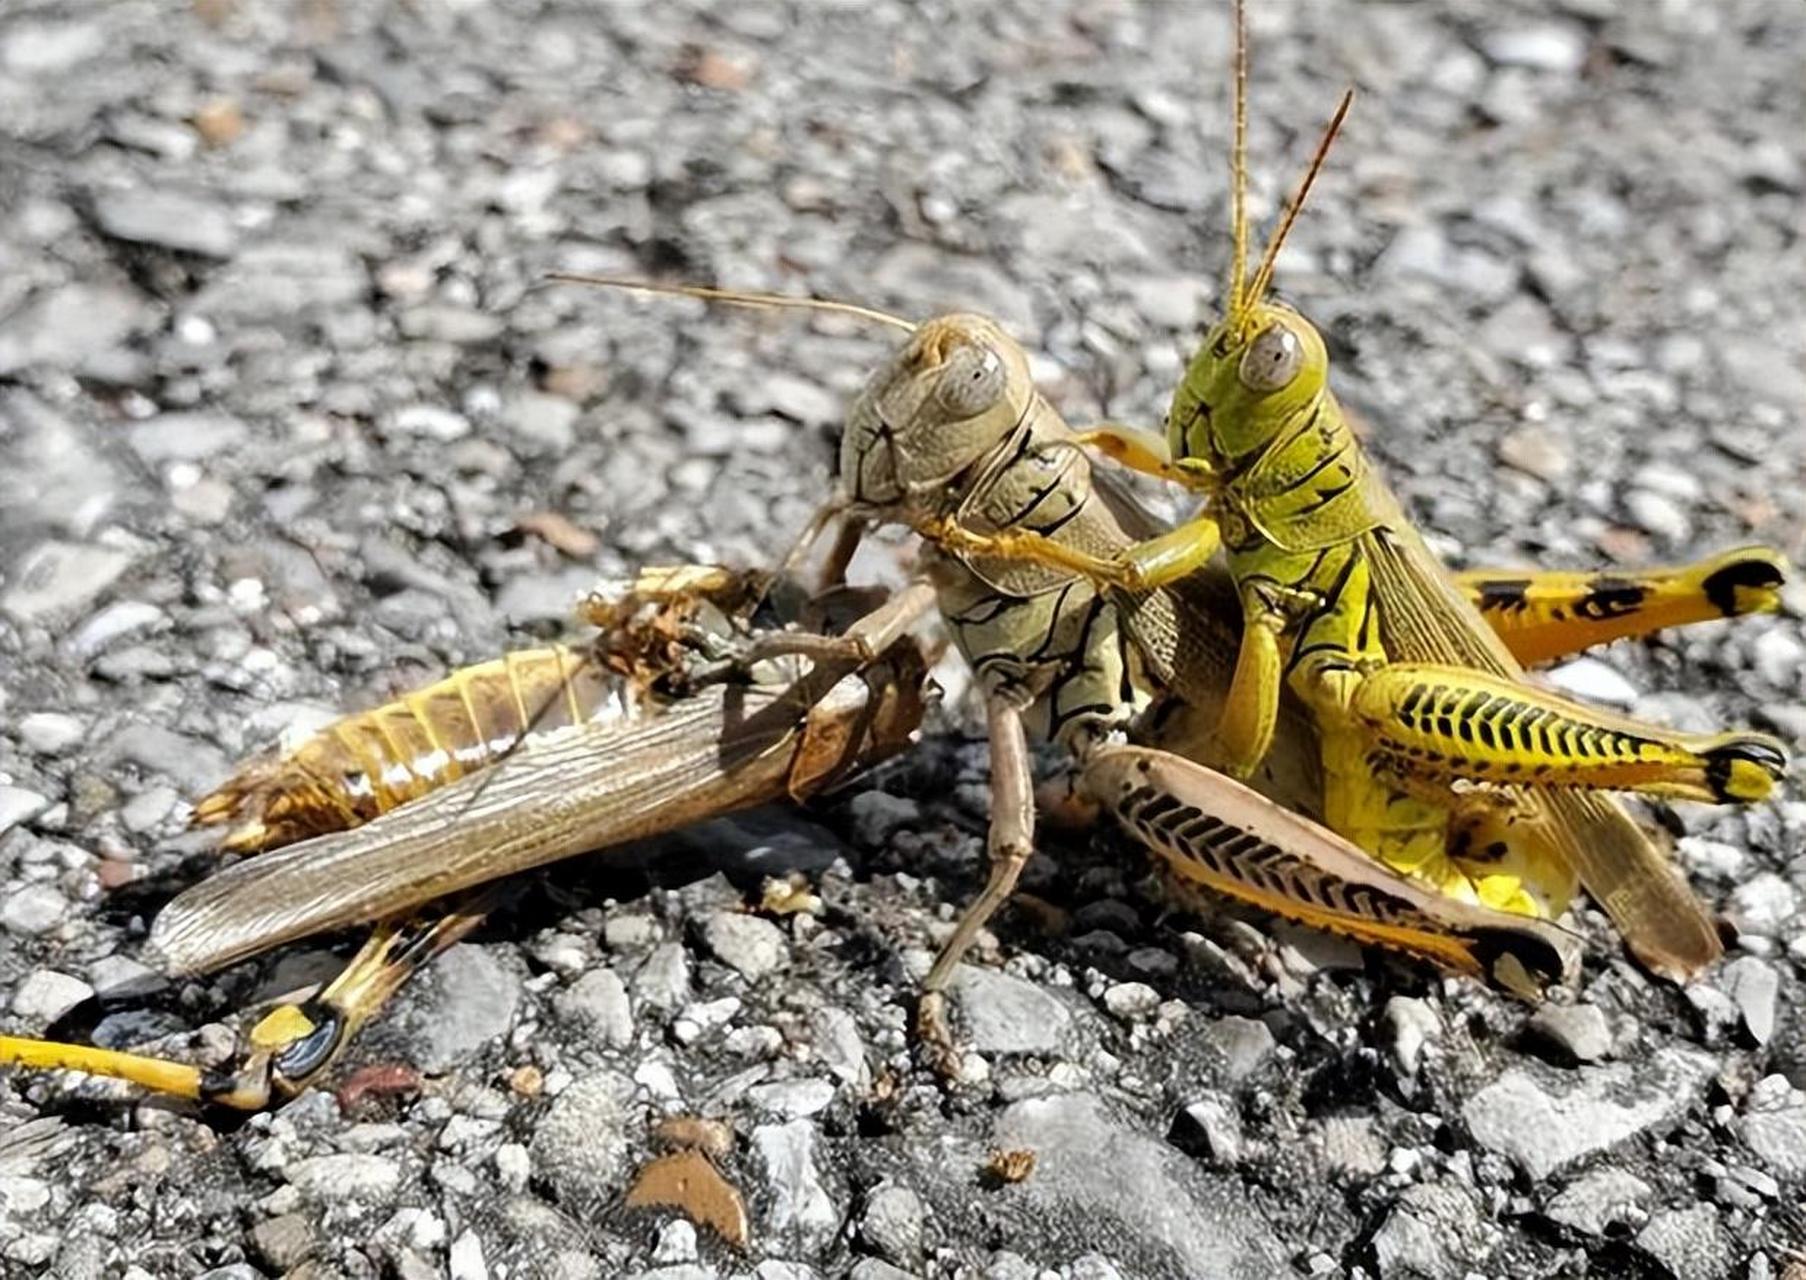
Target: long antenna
pixel 738 298
pixel 1264 276
pixel 1238 165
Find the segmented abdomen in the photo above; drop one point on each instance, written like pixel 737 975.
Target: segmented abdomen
pixel 366 764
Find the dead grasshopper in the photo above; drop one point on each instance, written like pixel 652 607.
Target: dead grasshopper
pixel 501 767
pixel 1437 757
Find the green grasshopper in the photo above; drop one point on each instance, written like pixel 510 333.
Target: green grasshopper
pixel 1437 757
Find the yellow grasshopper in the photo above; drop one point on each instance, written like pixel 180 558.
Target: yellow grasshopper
pixel 1437 757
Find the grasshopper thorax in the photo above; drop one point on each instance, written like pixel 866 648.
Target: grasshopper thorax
pixel 955 390
pixel 1256 374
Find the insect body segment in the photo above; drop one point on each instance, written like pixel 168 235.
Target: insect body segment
pixel 367 764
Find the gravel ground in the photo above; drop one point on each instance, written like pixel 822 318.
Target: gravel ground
pixel 279 391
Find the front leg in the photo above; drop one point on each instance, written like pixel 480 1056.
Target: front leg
pixel 1142 566
pixel 1245 732
pixel 1147 452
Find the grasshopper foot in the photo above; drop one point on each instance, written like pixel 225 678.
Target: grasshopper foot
pixel 1744 766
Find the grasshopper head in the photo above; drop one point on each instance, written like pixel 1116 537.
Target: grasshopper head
pixel 954 391
pixel 1252 374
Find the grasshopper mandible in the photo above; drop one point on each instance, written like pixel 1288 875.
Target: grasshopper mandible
pixel 1437 757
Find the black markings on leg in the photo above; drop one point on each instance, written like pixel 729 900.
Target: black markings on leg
pixel 1753 575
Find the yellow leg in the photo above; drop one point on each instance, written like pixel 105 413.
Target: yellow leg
pixel 1547 615
pixel 1251 710
pixel 291 1045
pixel 1141 567
pixel 1145 451
pixel 1451 722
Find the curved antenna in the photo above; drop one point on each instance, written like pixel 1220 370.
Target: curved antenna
pixel 737 298
pixel 1264 276
pixel 1238 165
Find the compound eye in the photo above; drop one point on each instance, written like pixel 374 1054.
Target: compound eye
pixel 972 380
pixel 1272 360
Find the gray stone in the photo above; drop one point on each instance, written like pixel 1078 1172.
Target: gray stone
pixel 1689 1244
pixel 1201 1225
pixel 676 1243
pixel 792 1099
pixel 186 437
pixel 1764 905
pixel 33 910
pixel 663 980
pixel 464 1260
pixel 46 995
pixel 749 945
pixel 1592 680
pixel 598 1002
pixel 66 327
pixel 839 1047
pixel 194 765
pixel 276 281
pixel 1413 1024
pixel 1571 1033
pixel 115 622
pixel 286 1241
pixel 1433 1232
pixel 116 975
pixel 878 815
pixel 1212 1128
pixel 430 421
pixel 546 422
pixel 878 1269
pixel 18 806
pixel 894 1224
pixel 1559 47
pixel 580 1147
pixel 1131 1001
pixel 1754 986
pixel 50 48
pixel 1774 1127
pixel 779 1270
pixel 437 322
pixel 1245 1043
pixel 348 1178
pixel 800 1215
pixel 1349 1146
pixel 168 220
pixel 1660 515
pixel 464 1001
pixel 1000 1013
pixel 55 579
pixel 801 400
pixel 1599 1201
pixel 47 733
pixel 1543 1125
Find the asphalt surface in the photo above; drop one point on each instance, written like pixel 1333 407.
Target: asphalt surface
pixel 284 407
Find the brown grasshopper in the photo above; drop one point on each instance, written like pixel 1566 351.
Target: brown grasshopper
pixel 503 766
